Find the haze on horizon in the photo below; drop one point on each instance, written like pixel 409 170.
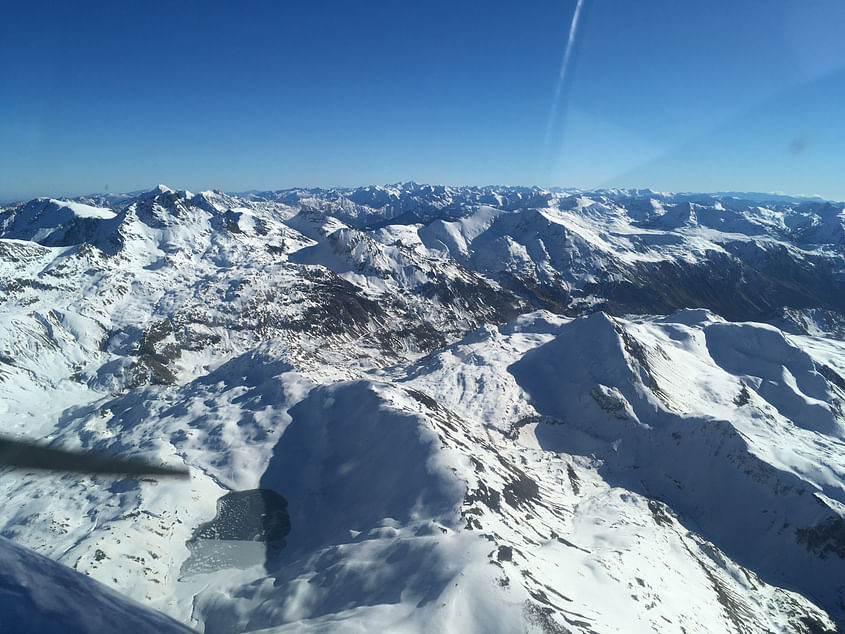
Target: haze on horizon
pixel 724 96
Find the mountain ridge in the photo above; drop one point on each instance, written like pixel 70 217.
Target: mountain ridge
pixel 485 408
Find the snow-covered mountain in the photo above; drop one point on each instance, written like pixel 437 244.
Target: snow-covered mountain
pixel 426 408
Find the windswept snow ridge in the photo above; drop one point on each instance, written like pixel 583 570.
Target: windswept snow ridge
pixel 421 408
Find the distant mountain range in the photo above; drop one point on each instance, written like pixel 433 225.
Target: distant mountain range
pixel 429 408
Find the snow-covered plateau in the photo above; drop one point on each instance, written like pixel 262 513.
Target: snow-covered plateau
pixel 420 408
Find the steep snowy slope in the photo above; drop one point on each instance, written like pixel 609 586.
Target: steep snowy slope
pixel 40 596
pixel 423 408
pixel 642 409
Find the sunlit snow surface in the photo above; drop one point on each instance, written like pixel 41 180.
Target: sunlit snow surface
pixel 440 450
pixel 85 211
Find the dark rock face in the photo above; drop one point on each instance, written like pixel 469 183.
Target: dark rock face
pixel 155 354
pixel 747 284
pixel 826 538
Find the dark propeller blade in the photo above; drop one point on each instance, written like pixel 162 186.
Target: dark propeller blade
pixel 24 455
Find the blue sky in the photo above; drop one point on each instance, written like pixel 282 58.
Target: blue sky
pixel 683 96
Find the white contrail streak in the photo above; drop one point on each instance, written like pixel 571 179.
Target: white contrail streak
pixel 564 70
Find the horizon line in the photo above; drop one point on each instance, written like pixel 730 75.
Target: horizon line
pixel 350 188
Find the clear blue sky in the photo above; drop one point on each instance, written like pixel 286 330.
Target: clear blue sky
pixel 669 94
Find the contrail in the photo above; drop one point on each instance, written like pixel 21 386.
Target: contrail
pixel 564 70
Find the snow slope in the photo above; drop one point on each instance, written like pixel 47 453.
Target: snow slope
pixel 38 595
pixel 422 408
